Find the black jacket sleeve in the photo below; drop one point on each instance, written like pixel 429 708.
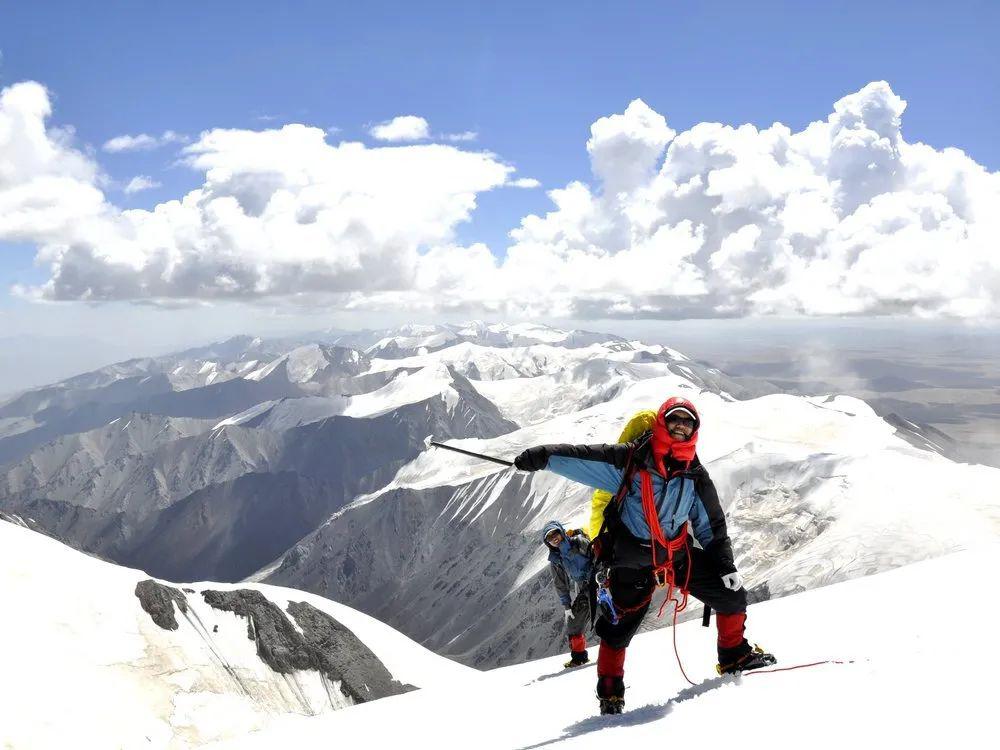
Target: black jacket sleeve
pixel 720 550
pixel 537 457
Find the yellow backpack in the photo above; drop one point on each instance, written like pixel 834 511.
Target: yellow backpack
pixel 638 424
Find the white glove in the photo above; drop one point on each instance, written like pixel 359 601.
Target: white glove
pixel 567 616
pixel 732 581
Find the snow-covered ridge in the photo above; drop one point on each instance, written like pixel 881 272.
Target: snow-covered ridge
pixel 418 340
pixel 112 677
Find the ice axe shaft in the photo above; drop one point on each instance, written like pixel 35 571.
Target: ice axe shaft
pixel 474 455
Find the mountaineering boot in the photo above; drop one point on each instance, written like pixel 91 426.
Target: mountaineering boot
pixel 743 658
pixel 612 705
pixel 579 659
pixel 611 694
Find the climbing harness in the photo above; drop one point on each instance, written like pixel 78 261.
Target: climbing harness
pixel 663 573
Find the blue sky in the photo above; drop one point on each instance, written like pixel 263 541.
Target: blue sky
pixel 528 77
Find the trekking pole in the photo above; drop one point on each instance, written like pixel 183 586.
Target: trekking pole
pixel 470 453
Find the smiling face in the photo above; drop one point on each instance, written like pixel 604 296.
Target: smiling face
pixel 680 424
pixel 554 538
pixel 675 432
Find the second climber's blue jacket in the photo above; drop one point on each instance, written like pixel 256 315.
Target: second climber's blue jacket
pixel 570 561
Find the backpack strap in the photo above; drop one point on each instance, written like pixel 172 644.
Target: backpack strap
pixel 604 544
pixel 630 468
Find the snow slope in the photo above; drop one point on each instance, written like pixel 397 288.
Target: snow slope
pixel 84 665
pixel 917 678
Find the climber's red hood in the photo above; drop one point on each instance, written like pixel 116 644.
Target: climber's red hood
pixel 663 444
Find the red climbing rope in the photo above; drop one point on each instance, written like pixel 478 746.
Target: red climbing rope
pixel 676 652
pixel 797 666
pixel 663 572
pixel 754 672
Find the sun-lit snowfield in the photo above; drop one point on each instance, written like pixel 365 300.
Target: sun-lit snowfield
pixel 84 666
pixel 918 640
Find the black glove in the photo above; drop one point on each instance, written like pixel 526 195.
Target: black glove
pixel 532 459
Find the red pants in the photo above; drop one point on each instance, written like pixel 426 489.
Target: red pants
pixel 611 660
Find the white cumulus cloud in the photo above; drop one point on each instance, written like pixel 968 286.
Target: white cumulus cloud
pixel 402 128
pixel 139 183
pixel 280 213
pixel 843 217
pixel 143 141
pixel 463 137
pixel 48 190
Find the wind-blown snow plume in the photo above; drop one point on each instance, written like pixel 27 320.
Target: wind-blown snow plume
pixel 843 217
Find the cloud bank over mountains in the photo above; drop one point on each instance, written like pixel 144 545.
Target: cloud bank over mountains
pixel 843 217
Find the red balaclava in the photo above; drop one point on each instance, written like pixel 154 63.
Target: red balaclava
pixel 665 446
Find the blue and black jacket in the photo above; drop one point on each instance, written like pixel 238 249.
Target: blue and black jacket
pixel 687 494
pixel 570 561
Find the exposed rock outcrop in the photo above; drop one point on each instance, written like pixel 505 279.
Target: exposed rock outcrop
pixel 323 645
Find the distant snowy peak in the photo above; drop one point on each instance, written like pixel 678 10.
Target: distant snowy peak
pixel 466 412
pixel 402 387
pixel 313 362
pixel 530 384
pixel 286 413
pixel 480 361
pixel 416 340
pixel 191 368
pixel 323 362
pixel 141 378
pixel 525 334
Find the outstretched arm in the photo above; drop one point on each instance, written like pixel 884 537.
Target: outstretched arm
pixel 599 466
